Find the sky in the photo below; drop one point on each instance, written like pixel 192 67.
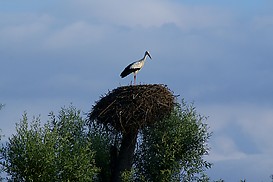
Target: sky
pixel 216 54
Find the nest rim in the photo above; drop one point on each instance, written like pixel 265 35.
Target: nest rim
pixel 130 108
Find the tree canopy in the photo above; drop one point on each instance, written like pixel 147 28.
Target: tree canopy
pixel 60 150
pixel 173 149
pixel 170 150
pixel 68 148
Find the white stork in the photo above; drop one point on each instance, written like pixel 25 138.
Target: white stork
pixel 135 67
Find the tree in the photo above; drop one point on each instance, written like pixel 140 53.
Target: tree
pixel 171 142
pixel 170 150
pixel 1 148
pixel 58 151
pixel 1 157
pixel 126 110
pixel 173 149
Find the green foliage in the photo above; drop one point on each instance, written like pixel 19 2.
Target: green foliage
pixel 1 149
pixel 58 151
pixel 173 149
pixel 67 149
pixel 101 144
pixel 170 150
pixel 127 176
pixel 220 180
pixel 1 156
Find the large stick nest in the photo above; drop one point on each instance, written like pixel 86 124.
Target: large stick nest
pixel 131 107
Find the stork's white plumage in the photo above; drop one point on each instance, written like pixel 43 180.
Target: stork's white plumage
pixel 135 67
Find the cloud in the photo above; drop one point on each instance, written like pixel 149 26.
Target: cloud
pixel 242 136
pixel 79 33
pixel 23 27
pixel 224 148
pixel 236 125
pixel 133 13
pixel 263 22
pixel 251 168
pixel 152 13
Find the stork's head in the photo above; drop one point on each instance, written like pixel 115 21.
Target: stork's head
pixel 147 53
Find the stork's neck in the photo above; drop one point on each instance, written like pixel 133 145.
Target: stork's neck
pixel 145 56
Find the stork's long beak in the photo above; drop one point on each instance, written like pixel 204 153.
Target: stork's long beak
pixel 149 55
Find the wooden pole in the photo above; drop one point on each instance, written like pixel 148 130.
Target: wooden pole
pixel 125 157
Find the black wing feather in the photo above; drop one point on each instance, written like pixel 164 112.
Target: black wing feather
pixel 128 70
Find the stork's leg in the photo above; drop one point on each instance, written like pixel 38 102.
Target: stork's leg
pixel 134 79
